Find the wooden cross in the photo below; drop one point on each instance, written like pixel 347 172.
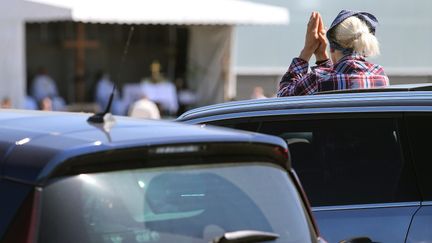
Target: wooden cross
pixel 80 44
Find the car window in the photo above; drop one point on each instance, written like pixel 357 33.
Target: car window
pixel 347 161
pixel 241 124
pixel 420 132
pixel 177 204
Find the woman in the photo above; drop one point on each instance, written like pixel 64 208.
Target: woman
pixel 352 38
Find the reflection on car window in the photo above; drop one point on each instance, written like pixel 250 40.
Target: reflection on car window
pixel 420 133
pixel 347 161
pixel 192 204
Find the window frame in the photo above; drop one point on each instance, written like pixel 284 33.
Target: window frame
pixel 398 117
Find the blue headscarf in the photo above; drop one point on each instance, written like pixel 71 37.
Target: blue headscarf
pixel 368 18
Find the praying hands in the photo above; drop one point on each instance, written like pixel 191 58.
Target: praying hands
pixel 315 40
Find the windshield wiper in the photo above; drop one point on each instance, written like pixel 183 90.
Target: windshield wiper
pixel 244 236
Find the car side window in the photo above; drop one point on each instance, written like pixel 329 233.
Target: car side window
pixel 419 130
pixel 347 161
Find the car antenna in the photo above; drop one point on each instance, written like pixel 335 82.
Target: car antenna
pixel 104 116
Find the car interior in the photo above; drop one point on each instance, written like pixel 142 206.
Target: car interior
pixel 185 207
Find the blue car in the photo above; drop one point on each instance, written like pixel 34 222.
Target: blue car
pixel 362 155
pixel 65 179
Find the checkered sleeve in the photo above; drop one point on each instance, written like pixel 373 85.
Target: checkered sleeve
pixel 297 80
pixel 379 70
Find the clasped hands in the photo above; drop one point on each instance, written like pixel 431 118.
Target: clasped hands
pixel 315 41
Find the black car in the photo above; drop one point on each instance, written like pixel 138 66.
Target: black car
pixel 64 179
pixel 362 155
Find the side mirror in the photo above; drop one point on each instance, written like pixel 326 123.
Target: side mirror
pixel 362 239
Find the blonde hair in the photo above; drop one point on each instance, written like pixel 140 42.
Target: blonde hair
pixel 353 33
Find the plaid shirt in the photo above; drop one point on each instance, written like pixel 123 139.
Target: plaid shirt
pixel 351 72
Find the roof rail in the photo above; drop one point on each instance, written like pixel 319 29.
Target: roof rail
pixel 390 88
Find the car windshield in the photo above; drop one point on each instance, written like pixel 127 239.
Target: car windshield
pixel 173 204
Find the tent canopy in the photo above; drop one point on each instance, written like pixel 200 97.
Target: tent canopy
pixel 221 13
pixel 184 12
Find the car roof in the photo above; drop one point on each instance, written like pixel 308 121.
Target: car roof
pixel 397 100
pixel 389 88
pixel 35 142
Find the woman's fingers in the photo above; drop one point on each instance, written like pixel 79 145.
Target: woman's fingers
pixel 316 25
pixel 312 30
pixel 322 37
pixel 311 19
pixel 320 24
pixel 312 15
pixel 312 36
pixel 321 27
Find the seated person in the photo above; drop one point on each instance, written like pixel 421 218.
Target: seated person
pixel 44 86
pixel 144 108
pixel 160 90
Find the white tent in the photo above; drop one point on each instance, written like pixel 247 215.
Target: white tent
pixel 220 12
pixel 210 23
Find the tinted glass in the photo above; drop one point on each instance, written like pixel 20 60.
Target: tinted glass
pixel 347 161
pixel 178 204
pixel 420 132
pixel 12 197
pixel 241 124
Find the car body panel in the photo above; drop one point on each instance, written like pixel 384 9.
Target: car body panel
pixel 37 152
pixel 334 101
pixel 39 149
pixel 420 230
pixel 382 222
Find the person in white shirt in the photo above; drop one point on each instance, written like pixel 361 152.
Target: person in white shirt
pixel 44 86
pixel 144 108
pixel 161 91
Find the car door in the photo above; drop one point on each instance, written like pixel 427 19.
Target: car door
pixel 353 169
pixel 420 132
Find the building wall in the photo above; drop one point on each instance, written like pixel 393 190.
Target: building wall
pixel 12 74
pixel 246 83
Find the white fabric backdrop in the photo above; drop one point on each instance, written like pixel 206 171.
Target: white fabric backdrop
pixel 12 62
pixel 208 68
